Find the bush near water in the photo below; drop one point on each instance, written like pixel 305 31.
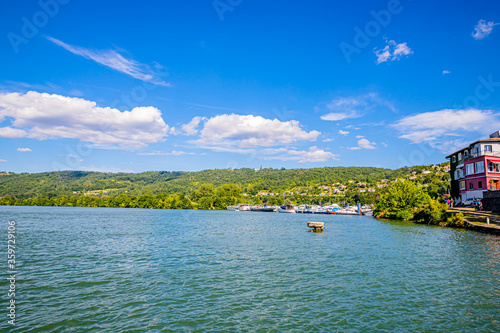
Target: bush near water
pixel 405 200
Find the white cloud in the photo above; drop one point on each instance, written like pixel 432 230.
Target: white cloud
pixel 103 169
pixel 366 144
pixel 191 128
pixel 24 150
pixel 335 116
pixel 314 154
pixel 76 158
pixel 363 143
pixel 114 60
pixel 260 137
pixel 343 132
pixel 353 107
pixel 392 51
pixel 446 72
pixel 3 160
pixel 483 29
pixel 344 108
pixel 232 130
pixel 441 128
pixel 43 116
pixel 9 132
pixel 328 140
pixel 162 153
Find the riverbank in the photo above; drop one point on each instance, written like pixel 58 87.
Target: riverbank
pixel 478 220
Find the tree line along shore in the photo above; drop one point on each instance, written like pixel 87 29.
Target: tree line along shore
pixel 220 188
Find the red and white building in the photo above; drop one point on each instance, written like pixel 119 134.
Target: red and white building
pixel 475 169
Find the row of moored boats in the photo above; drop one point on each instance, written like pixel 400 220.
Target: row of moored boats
pixel 306 209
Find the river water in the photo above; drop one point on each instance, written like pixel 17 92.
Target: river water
pixel 145 270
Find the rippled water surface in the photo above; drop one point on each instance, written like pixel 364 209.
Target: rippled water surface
pixel 131 270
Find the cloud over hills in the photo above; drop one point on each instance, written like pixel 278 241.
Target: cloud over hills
pixel 43 116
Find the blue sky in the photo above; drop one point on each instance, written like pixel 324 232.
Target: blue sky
pixel 193 85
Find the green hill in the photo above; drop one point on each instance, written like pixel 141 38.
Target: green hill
pixel 294 182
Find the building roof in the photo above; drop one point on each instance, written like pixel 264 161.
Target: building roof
pixel 478 141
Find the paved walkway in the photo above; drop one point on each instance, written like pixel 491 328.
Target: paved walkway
pixel 477 219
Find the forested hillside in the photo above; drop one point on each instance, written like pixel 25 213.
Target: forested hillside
pixel 267 185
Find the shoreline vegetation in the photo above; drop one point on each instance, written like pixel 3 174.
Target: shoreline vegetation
pixel 409 193
pixel 405 200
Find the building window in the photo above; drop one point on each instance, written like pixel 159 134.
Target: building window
pixel 480 185
pixel 462 185
pixel 466 154
pixel 493 167
pixel 471 186
pixel 479 167
pixel 487 148
pixel 469 169
pixel 459 156
pixel 453 159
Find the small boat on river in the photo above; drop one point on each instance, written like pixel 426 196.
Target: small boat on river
pixel 286 209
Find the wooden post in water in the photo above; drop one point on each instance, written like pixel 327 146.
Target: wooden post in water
pixel 316 226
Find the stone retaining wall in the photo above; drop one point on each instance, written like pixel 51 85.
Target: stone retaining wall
pixel 491 201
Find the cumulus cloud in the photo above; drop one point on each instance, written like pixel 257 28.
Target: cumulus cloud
pixel 363 143
pixel 114 60
pixel 191 128
pixel 257 136
pixel 9 132
pixel 43 116
pixel 446 72
pixel 343 132
pixel 353 107
pixel 483 29
pixel 232 130
pixel 392 51
pixel 441 128
pixel 24 150
pixel 366 144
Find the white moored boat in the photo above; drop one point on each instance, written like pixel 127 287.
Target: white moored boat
pixel 286 209
pixel 244 207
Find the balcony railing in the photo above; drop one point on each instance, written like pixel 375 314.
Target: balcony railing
pixel 480 153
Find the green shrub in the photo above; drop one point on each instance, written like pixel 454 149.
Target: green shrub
pixel 404 215
pixel 400 201
pixel 456 221
pixel 431 212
